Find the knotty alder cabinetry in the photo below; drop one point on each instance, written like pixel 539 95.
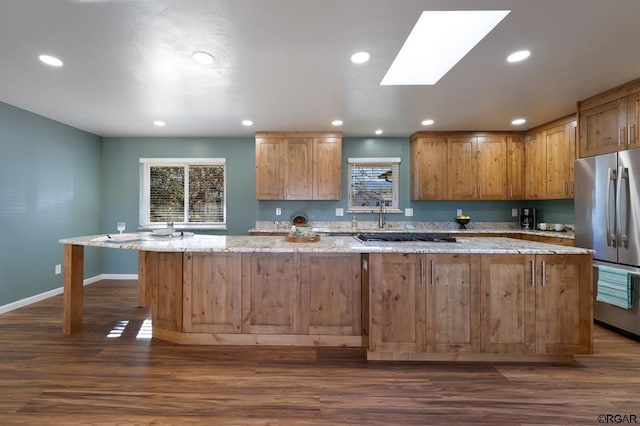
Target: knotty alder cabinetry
pixel 550 154
pixel 610 121
pixel 466 166
pixel 478 307
pixel 257 298
pixel 298 166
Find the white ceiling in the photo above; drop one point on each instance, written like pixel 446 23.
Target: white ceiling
pixel 285 64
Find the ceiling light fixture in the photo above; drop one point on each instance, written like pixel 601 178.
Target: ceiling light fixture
pixel 427 122
pixel 379 132
pixel 247 123
pixel 438 41
pixel 518 56
pixel 159 123
pixel 518 121
pixel 360 57
pixel 336 123
pixel 202 58
pixel 51 60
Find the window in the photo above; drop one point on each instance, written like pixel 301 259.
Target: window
pixel 372 180
pixel 186 191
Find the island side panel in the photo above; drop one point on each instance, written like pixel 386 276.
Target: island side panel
pixel 72 299
pixel 145 285
pixel 167 276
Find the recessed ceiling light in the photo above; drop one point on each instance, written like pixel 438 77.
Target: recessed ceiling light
pixel 247 123
pixel 518 121
pixel 518 56
pixel 336 123
pixel 203 58
pixel 50 60
pixel 360 57
pixel 379 132
pixel 159 123
pixel 427 122
pixel 437 42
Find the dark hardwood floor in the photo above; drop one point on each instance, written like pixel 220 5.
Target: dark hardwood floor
pixel 91 378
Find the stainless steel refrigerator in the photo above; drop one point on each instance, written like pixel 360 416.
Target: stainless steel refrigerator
pixel 607 220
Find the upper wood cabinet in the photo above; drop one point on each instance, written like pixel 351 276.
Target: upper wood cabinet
pixel 429 159
pixel 298 166
pixel 516 184
pixel 464 166
pixel 608 122
pixel 550 154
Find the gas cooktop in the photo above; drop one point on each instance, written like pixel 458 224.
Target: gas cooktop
pixel 406 237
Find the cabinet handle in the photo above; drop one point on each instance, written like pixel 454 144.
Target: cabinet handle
pixel 433 273
pixel 533 273
pixel 564 187
pixel 421 272
pixel 510 191
pixel 544 273
pixel 620 135
pixel 632 134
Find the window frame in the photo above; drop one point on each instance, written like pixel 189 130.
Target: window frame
pixel 145 192
pixel 385 162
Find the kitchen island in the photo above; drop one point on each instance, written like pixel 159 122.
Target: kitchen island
pixel 478 299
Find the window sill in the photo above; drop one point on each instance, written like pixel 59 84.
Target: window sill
pixel 388 210
pixel 185 227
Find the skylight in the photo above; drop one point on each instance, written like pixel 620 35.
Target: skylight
pixel 438 41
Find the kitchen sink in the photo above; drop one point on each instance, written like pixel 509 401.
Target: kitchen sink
pixel 406 237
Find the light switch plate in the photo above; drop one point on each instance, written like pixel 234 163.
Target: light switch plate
pixel 459 212
pixel 278 211
pixel 514 212
pixel 408 211
pixel 339 211
pixel 58 269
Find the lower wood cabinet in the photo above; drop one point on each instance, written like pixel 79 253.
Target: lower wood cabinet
pixel 491 304
pixel 266 293
pixel 423 303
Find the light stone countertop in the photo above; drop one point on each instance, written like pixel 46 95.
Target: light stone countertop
pixel 368 227
pixel 327 244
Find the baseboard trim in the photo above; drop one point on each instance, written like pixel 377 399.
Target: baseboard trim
pixel 56 291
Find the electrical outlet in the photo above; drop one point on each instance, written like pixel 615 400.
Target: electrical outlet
pixel 58 269
pixel 514 212
pixel 408 211
pixel 339 211
pixel 459 212
pixel 278 211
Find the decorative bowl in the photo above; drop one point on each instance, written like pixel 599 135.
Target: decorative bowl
pixel 463 222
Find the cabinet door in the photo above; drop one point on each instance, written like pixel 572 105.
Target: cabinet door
pixel 633 120
pixel 298 169
pixel 603 128
pixel 397 303
pixel 491 167
pixel 564 311
pixel 462 168
pixel 453 303
pixel 212 289
pixel 331 299
pixel 559 148
pixel 508 304
pixel 429 160
pixel 271 302
pixel 516 186
pixel 269 168
pixel 535 159
pixel 327 168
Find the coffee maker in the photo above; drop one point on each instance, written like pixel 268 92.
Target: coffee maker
pixel 528 218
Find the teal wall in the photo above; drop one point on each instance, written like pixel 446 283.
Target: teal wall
pixel 120 186
pixel 50 188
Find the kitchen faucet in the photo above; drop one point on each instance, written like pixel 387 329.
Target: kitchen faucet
pixel 383 210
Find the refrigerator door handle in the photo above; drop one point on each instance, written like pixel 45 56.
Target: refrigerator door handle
pixel 611 181
pixel 623 236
